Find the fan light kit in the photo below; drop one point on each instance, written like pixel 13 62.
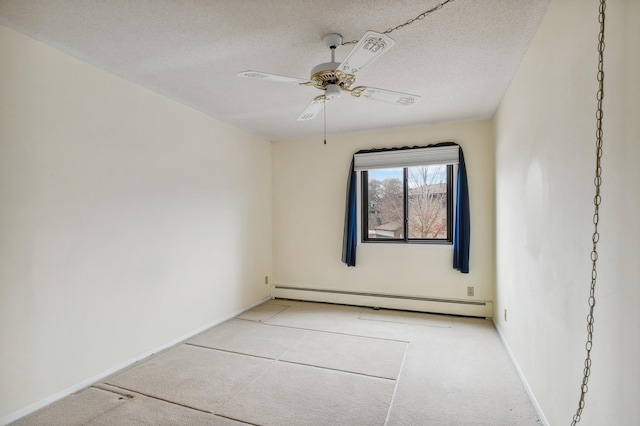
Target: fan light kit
pixel 336 77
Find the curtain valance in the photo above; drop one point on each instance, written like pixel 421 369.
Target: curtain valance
pixel 405 157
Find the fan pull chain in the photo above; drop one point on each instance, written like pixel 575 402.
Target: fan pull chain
pixel 324 113
pixel 409 22
pixel 596 217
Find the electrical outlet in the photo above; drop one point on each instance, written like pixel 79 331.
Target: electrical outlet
pixel 470 291
pixel 266 279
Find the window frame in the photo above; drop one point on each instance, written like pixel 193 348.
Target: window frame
pixel 364 216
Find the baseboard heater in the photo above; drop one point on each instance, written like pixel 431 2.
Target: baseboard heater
pixel 471 308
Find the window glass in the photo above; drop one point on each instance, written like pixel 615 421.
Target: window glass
pixel 386 203
pixel 427 202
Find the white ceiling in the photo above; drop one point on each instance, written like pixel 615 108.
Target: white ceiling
pixel 459 59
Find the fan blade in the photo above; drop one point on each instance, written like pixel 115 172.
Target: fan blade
pixel 312 110
pixel 271 77
pixel 383 95
pixel 370 47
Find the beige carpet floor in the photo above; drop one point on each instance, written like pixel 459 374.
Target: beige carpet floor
pixel 299 363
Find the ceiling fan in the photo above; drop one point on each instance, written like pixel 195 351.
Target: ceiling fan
pixel 334 77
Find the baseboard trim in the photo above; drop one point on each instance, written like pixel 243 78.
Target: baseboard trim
pixel 472 308
pixel 523 379
pixel 90 381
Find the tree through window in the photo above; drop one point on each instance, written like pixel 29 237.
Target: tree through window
pixel 408 204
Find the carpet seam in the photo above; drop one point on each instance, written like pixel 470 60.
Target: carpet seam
pixel 359 312
pixel 230 352
pixel 337 370
pixel 226 400
pixel 267 319
pixel 279 359
pixel 405 323
pixel 155 397
pixel 329 332
pixel 102 387
pixel 236 420
pixel 395 389
pixel 339 333
pixel 108 410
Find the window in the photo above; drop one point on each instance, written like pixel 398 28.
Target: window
pixel 408 204
pixel 445 154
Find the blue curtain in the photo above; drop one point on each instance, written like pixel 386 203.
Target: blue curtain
pixel 461 226
pixel 349 241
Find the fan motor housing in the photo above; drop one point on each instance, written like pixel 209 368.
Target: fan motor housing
pixel 327 73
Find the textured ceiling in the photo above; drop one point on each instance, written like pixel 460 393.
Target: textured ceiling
pixel 459 59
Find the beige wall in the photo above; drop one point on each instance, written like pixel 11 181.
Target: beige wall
pixel 126 221
pixel 545 160
pixel 309 191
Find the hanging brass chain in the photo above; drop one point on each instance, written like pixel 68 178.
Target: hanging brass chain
pixel 409 22
pixel 596 217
